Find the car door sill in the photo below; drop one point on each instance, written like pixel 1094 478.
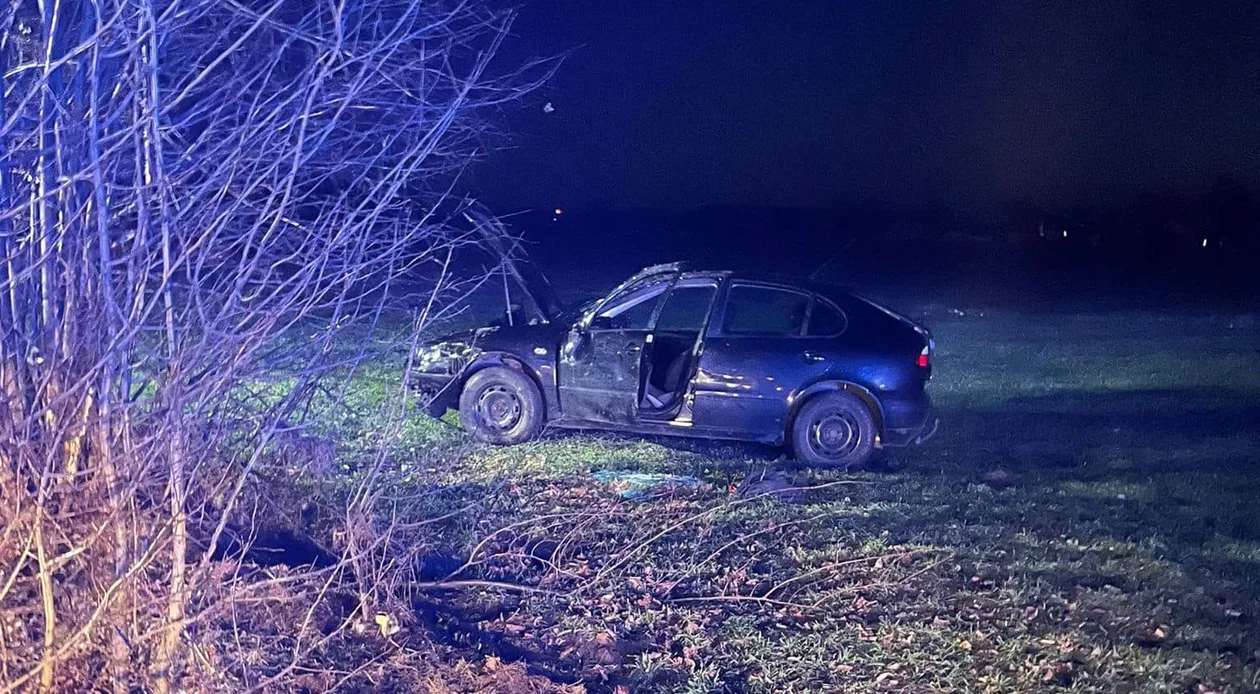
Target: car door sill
pixel 665 429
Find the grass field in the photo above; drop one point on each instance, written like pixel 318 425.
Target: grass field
pixel 1085 521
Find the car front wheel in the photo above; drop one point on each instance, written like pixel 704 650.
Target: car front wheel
pixel 834 430
pixel 502 406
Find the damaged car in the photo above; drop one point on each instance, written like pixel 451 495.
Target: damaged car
pixel 680 351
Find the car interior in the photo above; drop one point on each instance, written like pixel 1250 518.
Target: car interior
pixel 664 371
pixel 669 357
pixel 669 360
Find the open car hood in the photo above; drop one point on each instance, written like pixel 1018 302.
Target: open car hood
pixel 535 286
pixel 529 279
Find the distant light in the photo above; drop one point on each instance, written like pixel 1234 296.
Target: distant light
pixel 1205 243
pixel 559 211
pixel 1065 233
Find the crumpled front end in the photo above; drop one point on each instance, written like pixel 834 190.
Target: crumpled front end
pixel 438 366
pixel 439 363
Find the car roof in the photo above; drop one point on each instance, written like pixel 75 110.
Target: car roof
pixel 795 282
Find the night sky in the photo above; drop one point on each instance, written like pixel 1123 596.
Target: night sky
pixel 821 103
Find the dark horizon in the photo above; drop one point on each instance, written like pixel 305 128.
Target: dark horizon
pixel 812 105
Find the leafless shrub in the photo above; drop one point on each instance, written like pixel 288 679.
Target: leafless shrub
pixel 183 185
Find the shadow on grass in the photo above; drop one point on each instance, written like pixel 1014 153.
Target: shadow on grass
pixel 1194 429
pixel 1137 504
pixel 1153 430
pixel 1181 466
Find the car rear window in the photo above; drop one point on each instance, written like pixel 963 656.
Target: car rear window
pixel 764 311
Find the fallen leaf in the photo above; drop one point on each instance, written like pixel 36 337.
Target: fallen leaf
pixel 383 621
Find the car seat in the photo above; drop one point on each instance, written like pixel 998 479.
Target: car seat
pixel 659 398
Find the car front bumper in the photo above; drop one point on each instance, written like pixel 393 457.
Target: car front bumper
pixel 439 387
pixel 431 381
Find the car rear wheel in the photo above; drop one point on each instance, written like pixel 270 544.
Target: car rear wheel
pixel 502 406
pixel 834 430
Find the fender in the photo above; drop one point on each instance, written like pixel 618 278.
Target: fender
pixel 798 400
pixel 448 397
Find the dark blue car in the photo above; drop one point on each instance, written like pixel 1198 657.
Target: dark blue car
pixel 708 354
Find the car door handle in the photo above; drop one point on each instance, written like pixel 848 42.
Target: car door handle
pixel 813 357
pixel 634 349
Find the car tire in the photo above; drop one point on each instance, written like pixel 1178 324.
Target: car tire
pixel 502 406
pixel 834 429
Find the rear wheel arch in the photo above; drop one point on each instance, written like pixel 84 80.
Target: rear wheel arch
pixel 865 395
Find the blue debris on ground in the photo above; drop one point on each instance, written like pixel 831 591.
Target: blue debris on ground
pixel 641 486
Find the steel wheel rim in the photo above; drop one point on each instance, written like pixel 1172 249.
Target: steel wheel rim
pixel 499 407
pixel 835 435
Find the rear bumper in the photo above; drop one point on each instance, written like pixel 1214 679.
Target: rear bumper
pixel 909 421
pixel 897 438
pixel 928 431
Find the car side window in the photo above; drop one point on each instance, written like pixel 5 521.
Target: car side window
pixel 764 311
pixel 686 308
pixel 632 307
pixel 825 320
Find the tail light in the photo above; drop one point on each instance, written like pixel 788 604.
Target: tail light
pixel 925 359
